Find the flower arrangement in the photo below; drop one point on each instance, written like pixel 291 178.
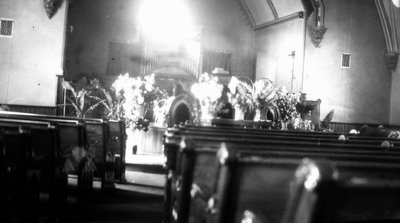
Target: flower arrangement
pixel 264 94
pixel 161 111
pixel 137 98
pixel 207 91
pixel 286 103
pixel 241 96
pixel 259 96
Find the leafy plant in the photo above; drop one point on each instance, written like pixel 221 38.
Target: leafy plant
pixel 83 96
pixel 328 118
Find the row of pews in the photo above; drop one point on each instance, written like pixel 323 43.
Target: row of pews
pixel 227 174
pixel 42 157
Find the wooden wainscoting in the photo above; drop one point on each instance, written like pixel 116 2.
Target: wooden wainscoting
pixel 43 110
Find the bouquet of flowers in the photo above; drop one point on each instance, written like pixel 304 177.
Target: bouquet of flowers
pixel 207 91
pixel 161 111
pixel 286 103
pixel 264 95
pixel 137 98
pixel 241 95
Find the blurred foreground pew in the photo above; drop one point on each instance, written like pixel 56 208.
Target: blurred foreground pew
pixel 39 153
pixel 202 187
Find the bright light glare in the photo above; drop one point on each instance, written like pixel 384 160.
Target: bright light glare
pixel 166 20
pixel 396 3
pixel 312 179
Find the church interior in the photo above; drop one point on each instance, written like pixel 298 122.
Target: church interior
pixel 211 111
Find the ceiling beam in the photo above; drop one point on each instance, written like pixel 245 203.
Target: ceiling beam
pixel 253 22
pixel 280 20
pixel 271 5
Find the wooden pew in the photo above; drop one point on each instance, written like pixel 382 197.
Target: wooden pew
pixel 199 168
pixel 244 133
pixel 207 129
pixel 117 144
pixel 172 142
pixel 262 185
pixel 30 166
pixel 201 129
pixel 115 138
pixel 93 136
pixel 216 140
pixel 65 156
pixel 16 190
pixel 319 196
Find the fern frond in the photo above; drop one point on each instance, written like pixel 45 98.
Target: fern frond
pixel 94 106
pixel 328 118
pixel 108 97
pixel 77 110
pixel 67 86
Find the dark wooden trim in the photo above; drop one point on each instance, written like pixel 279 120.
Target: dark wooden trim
pixel 146 168
pixel 295 15
pixel 43 110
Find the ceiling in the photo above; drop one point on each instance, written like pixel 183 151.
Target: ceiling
pixel 266 11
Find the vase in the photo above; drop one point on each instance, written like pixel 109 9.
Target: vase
pixel 257 116
pixel 261 115
pixel 239 114
pixel 206 115
pixel 284 125
pixel 249 115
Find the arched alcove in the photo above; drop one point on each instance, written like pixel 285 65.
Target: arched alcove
pixel 183 109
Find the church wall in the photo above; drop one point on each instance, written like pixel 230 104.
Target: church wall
pixel 224 25
pixel 395 99
pixel 360 93
pixel 32 58
pixel 275 45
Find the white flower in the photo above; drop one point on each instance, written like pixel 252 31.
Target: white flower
pixel 149 87
pixel 140 100
pixel 259 85
pixel 233 84
pixel 137 82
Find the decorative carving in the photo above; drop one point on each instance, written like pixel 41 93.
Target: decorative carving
pixel 317 34
pixel 51 7
pixel 391 60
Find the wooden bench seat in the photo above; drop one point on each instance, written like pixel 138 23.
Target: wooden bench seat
pixel 263 185
pixel 103 140
pixel 330 199
pixel 204 160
